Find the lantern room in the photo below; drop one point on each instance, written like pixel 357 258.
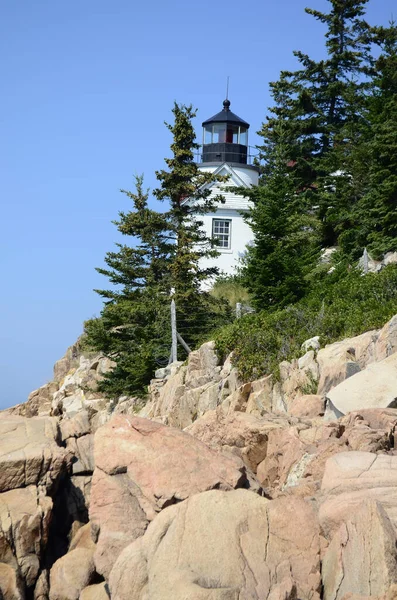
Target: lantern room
pixel 225 137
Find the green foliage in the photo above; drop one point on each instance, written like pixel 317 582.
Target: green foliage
pixel 231 289
pixel 186 189
pixel 133 329
pixel 338 307
pixel 329 149
pixel 372 221
pixel 285 247
pixel 162 260
pixel 329 178
pixel 316 118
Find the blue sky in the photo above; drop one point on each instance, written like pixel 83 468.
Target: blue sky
pixel 85 89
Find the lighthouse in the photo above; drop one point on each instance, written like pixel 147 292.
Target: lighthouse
pixel 225 151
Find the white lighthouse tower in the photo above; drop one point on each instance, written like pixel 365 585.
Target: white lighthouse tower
pixel 225 152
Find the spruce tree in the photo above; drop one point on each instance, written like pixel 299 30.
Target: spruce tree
pixel 163 261
pixel 133 329
pixel 317 116
pixel 319 109
pixel 286 239
pixel 378 210
pixel 187 190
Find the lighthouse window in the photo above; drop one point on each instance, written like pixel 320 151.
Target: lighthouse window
pixel 232 134
pixel 221 230
pixel 219 133
pixel 208 135
pixel 243 136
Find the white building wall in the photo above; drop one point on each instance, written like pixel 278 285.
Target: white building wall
pixel 241 235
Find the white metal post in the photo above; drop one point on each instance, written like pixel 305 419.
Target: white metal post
pixel 365 261
pixel 174 349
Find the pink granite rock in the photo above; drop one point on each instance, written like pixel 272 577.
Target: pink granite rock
pixel 142 467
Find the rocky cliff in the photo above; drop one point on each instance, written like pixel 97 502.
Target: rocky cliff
pixel 215 489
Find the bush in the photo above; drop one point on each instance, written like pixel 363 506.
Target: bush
pixel 231 289
pixel 338 307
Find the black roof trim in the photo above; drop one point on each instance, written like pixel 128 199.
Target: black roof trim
pixel 226 116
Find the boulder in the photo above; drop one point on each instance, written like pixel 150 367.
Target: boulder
pixel 309 406
pixel 140 470
pixel 80 385
pixel 68 403
pixel 95 592
pixel 386 343
pixel 29 453
pixel 24 525
pixel 76 496
pixel 76 426
pixel 297 454
pixel 341 360
pixel 10 588
pixel 83 450
pixel 352 477
pixel 67 362
pixel 223 546
pixel 237 400
pixel 284 450
pixel 189 393
pixel 375 418
pixel 75 570
pixel 298 377
pixel 260 399
pixel 364 438
pixel 362 556
pixel 168 402
pixel 202 366
pixel 82 539
pixel 311 344
pixel 39 402
pixel 116 516
pixel 374 387
pixel 240 433
pixel 42 587
pixel 71 574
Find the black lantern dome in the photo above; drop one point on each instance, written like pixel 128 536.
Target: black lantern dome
pixel 225 137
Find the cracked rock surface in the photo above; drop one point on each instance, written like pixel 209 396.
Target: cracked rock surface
pixel 142 467
pixel 362 555
pixel 29 452
pixel 225 490
pixel 223 545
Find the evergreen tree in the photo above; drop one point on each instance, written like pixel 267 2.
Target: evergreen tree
pixel 134 327
pixel 187 190
pixel 321 108
pixel 376 214
pixel 276 265
pixel 166 261
pixel 317 117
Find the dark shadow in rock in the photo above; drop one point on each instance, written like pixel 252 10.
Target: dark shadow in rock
pixel 69 506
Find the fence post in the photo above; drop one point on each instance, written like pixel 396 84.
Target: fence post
pixel 238 310
pixel 174 349
pixel 365 262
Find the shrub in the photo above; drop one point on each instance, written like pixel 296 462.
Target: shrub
pixel 338 307
pixel 231 289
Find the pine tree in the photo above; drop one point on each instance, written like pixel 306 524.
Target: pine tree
pixel 133 328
